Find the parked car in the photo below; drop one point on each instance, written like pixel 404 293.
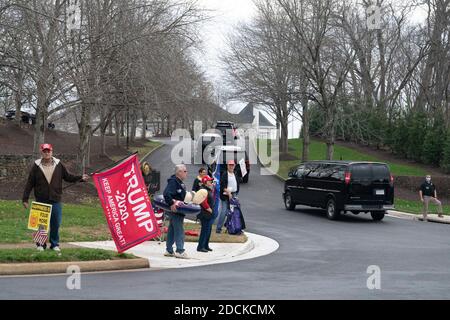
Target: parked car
pixel 231 153
pixel 26 118
pixel 227 127
pixel 340 186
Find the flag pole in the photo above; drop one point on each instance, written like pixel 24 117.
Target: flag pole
pixel 104 168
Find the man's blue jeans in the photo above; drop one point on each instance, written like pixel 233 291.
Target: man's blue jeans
pixel 175 233
pixel 55 223
pixel 223 209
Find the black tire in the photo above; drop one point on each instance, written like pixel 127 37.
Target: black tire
pixel 377 215
pixel 332 211
pixel 288 203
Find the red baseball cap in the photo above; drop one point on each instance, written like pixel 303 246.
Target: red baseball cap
pixel 46 146
pixel 206 179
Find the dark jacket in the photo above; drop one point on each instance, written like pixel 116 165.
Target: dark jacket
pixel 175 190
pixel 209 203
pixel 43 191
pixel 428 189
pixel 224 185
pixel 197 185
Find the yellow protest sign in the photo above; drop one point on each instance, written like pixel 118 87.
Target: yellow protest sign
pixel 40 214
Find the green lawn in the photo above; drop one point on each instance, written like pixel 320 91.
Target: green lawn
pixel 79 223
pixel 32 255
pixel 416 207
pixel 318 150
pixel 142 151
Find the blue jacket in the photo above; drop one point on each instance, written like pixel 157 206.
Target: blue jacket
pixel 175 190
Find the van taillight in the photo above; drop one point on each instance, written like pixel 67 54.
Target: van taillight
pixel 348 177
pixel 392 180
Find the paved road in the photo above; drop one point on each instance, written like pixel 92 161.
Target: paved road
pixel 317 259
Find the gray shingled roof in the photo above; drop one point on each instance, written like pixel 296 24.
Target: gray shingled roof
pixel 246 116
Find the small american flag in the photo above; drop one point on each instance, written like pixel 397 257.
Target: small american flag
pixel 40 236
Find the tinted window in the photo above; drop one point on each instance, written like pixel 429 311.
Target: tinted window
pixel 381 173
pixel 300 171
pixel 312 170
pixel 338 173
pixel 371 172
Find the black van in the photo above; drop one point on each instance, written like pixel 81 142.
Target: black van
pixel 341 186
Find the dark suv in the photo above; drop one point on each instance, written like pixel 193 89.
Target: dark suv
pixel 341 186
pixel 228 131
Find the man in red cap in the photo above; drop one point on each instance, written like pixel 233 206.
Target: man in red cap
pixel 46 176
pixel 206 215
pixel 229 187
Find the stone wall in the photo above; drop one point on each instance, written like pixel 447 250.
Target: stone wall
pixel 413 184
pixel 17 166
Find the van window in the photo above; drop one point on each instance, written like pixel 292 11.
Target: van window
pixel 300 171
pixel 370 172
pixel 312 170
pixel 381 173
pixel 338 173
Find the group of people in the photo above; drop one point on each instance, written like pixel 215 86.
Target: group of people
pixel 176 191
pixel 47 174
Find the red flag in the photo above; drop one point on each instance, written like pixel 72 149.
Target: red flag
pixel 126 204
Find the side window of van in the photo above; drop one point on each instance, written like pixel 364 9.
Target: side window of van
pixel 312 170
pixel 300 171
pixel 338 173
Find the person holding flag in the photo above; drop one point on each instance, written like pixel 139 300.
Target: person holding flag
pixel 45 177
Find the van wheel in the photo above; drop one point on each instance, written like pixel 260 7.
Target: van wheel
pixel 288 203
pixel 332 212
pixel 377 215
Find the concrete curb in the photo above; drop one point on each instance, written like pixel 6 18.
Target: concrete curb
pixel 61 267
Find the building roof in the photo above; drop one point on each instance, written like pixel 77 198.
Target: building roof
pixel 246 116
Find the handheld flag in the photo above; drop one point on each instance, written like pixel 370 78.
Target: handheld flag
pixel 126 204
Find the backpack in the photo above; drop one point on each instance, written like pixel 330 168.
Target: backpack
pixel 235 220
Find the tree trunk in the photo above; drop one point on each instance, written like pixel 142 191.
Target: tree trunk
pixel 306 133
pixel 144 126
pixel 117 127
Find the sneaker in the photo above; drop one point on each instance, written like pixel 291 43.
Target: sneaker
pixel 57 249
pixel 181 255
pixel 168 254
pixel 209 249
pixel 202 250
pixel 39 248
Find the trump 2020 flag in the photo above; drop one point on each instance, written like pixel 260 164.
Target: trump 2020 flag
pixel 126 204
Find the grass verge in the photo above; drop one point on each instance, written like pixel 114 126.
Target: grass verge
pixel 79 223
pixel 215 237
pixel 67 255
pixel 416 207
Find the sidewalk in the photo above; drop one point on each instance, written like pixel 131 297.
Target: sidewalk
pixel 256 246
pixel 418 217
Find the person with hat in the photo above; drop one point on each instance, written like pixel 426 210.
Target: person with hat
pixel 206 215
pixel 45 177
pixel 229 188
pixel 428 194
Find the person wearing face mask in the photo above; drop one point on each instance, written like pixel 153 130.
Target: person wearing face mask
pixel 428 194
